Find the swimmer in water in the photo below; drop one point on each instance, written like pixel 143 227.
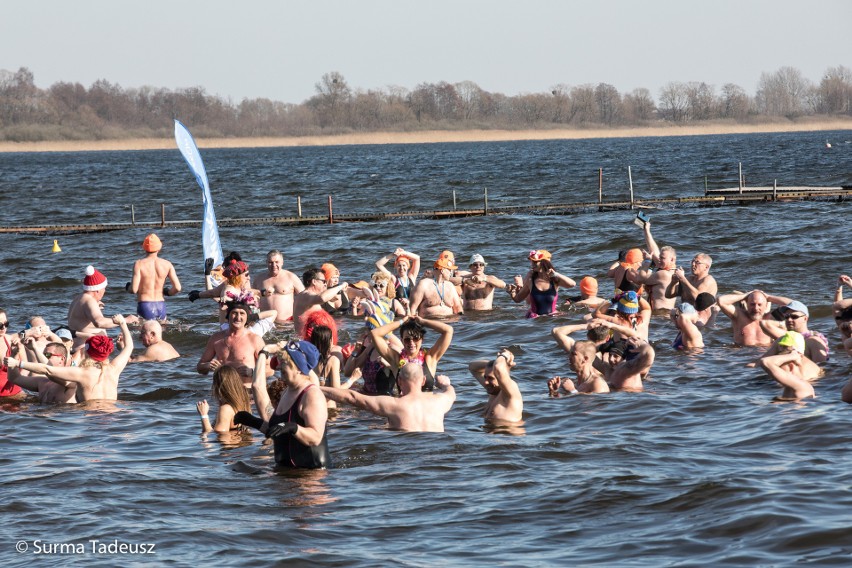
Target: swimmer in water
pixel 297 425
pixel 149 281
pixel 589 380
pixel 505 403
pixel 229 392
pixel 414 410
pixel 540 286
pixel 787 369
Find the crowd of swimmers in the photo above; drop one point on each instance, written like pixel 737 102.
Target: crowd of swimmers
pixel 286 388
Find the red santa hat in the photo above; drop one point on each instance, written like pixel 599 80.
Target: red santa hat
pixel 94 280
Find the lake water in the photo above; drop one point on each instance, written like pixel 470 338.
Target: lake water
pixel 701 469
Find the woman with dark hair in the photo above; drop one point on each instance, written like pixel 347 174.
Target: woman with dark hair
pixel 328 365
pixel 540 287
pixel 229 392
pixel 412 330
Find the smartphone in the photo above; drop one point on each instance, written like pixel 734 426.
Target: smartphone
pixel 641 219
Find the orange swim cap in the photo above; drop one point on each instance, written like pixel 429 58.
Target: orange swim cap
pixel 589 286
pixel 633 257
pixel 446 260
pixel 329 271
pixel 152 243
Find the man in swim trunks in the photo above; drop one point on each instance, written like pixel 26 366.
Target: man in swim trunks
pixel 787 367
pixel 478 287
pixel 237 346
pixel 314 294
pixel 796 316
pixel 689 287
pixel 277 287
pixel 434 298
pixel 85 315
pixel 414 411
pixel 505 403
pixel 149 281
pixel 157 349
pixel 746 310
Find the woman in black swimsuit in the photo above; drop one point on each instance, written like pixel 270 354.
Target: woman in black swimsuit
pixel 298 425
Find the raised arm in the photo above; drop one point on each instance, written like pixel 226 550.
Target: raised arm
pixel 773 366
pixel 445 338
pixel 381 344
pixel 120 360
pixel 562 335
pixel 521 288
pixel 562 280
pixel 728 303
pixel 379 405
pixel 653 249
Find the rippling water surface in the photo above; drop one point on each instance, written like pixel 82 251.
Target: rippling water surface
pixel 700 469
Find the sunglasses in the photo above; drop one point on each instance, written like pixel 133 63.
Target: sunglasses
pixel 49 355
pixel 794 316
pixel 478 264
pixel 4 325
pixel 381 284
pixel 320 279
pixel 411 339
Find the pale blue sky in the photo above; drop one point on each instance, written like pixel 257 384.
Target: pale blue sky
pixel 279 50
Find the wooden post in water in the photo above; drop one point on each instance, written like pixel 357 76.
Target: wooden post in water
pixel 775 190
pixel 630 177
pixel 330 212
pixel 132 214
pixel 600 189
pixel 299 206
pixel 486 201
pixel 454 200
pixel 741 177
pixel 705 186
pixel 163 214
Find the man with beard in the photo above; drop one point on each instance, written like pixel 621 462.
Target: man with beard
pixel 277 287
pixel 746 311
pixel 236 346
pixel 505 403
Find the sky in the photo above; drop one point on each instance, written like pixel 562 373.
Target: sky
pixel 280 49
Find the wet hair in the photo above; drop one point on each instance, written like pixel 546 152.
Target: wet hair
pixel 274 389
pixel 233 255
pixel 321 338
pixel 273 253
pixel 413 328
pixel 309 276
pixel 545 266
pixel 598 334
pixel 228 389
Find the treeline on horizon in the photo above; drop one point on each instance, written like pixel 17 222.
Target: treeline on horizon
pixel 70 111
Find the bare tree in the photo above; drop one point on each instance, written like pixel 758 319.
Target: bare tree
pixel 783 93
pixel 835 91
pixel 331 103
pixel 734 102
pixel 639 106
pixel 470 97
pixel 674 102
pixel 701 101
pixel 609 103
pixel 584 106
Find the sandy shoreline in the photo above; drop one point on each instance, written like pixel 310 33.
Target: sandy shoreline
pixel 429 136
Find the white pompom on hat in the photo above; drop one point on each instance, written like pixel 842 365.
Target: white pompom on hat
pixel 94 280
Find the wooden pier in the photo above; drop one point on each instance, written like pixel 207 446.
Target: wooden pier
pixel 712 198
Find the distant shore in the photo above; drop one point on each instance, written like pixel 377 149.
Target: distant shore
pixel 429 136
